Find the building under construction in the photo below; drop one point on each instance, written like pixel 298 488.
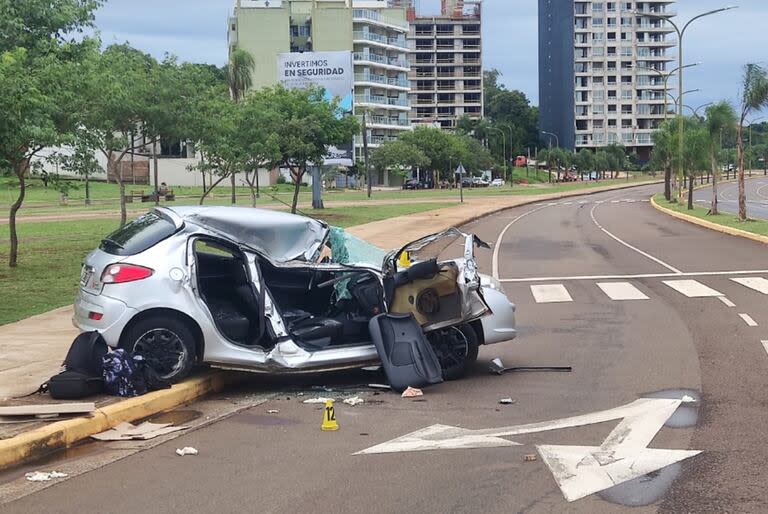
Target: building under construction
pixel 446 62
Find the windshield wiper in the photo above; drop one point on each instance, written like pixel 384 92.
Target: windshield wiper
pixel 112 242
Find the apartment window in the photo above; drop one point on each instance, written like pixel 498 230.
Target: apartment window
pixel 611 36
pixel 598 81
pixel 626 95
pixel 626 22
pixel 612 80
pixel 598 124
pixel 625 124
pixel 598 138
pixel 598 109
pixel 612 94
pixel 597 36
pixel 626 36
pixel 598 51
pixel 597 66
pixel 626 51
pixel 611 6
pixel 300 31
pixel 611 22
pixel 613 138
pixel 611 123
pixel 598 96
pixel 626 6
pixel 612 108
pixel 597 22
pixel 597 6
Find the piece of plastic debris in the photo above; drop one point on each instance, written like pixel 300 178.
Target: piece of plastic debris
pixel 372 368
pixel 688 399
pixel 379 386
pixel 317 400
pixel 299 394
pixel 273 411
pixel 187 450
pixel 530 457
pixel 128 431
pixel 507 401
pixel 44 476
pixel 412 392
pixel 355 400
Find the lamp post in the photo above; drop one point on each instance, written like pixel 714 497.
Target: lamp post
pixel 680 34
pixel 552 134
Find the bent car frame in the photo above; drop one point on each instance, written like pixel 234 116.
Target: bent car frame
pixel 259 290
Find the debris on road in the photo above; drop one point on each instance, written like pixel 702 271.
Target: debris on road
pixel 412 392
pixel 497 367
pixel 372 368
pixel 317 400
pixel 142 432
pixel 48 409
pixel 507 401
pixel 187 450
pixel 531 457
pixel 380 386
pixel 688 399
pixel 355 400
pixel 44 476
pixel 273 411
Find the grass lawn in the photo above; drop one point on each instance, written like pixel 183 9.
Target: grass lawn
pixel 51 255
pixel 728 220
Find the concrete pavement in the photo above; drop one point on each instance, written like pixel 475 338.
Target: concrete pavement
pixel 686 335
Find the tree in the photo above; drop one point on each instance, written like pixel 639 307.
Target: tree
pixel 512 113
pixel 720 118
pixel 257 145
pixel 82 161
pixel 398 156
pixel 239 78
pixel 695 154
pixel 304 125
pixel 40 77
pixel 584 161
pixel 664 154
pixel 754 97
pixel 617 158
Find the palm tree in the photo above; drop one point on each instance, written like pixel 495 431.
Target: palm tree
pixel 239 70
pixel 754 97
pixel 720 117
pixel 665 152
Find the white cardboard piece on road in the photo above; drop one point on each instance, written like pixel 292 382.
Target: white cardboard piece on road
pixel 578 470
pixel 621 291
pixel 128 431
pixel 692 288
pixel 759 284
pixel 551 293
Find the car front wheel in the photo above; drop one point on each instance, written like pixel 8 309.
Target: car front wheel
pixel 456 349
pixel 166 343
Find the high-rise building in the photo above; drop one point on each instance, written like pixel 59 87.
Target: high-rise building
pixel 374 31
pixel 601 72
pixel 446 64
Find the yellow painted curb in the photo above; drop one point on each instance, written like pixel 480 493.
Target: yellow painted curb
pixel 710 225
pixel 61 434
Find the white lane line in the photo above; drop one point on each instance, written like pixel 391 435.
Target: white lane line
pixel 551 293
pixel 759 284
pixel 644 254
pixel 748 320
pixel 726 301
pixel 497 248
pixel 627 277
pixel 621 291
pixel 692 288
pixel 765 345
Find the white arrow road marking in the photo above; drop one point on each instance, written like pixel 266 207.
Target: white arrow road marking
pixel 578 470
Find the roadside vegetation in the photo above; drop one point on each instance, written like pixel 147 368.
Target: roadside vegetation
pixel 54 251
pixel 759 227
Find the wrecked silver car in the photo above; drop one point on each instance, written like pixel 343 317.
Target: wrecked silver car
pixel 260 290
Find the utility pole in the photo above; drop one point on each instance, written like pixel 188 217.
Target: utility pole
pixel 365 153
pixel 157 185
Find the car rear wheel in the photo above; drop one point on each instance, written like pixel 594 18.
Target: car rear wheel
pixel 456 349
pixel 167 343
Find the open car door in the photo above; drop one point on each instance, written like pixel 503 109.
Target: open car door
pixel 435 278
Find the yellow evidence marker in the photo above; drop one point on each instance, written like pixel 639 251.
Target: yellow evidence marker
pixel 329 417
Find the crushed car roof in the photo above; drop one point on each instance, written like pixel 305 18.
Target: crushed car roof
pixel 278 235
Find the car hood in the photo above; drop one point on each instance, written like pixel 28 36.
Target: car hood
pixel 278 236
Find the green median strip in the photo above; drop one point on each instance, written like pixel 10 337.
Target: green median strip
pixel 728 220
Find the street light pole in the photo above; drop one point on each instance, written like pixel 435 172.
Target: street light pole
pixel 552 134
pixel 503 149
pixel 680 34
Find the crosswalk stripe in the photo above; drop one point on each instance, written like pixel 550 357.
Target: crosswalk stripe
pixel 765 345
pixel 692 288
pixel 759 284
pixel 550 293
pixel 748 320
pixel 726 301
pixel 621 291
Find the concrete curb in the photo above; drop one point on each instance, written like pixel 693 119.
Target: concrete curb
pixel 708 224
pixel 62 434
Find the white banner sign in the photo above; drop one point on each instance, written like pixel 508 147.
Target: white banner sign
pixel 330 70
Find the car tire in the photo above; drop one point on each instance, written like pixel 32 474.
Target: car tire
pixel 456 349
pixel 165 339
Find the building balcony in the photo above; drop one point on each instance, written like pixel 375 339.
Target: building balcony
pixel 382 81
pixel 378 121
pixel 394 63
pixel 376 18
pixel 394 43
pixel 381 101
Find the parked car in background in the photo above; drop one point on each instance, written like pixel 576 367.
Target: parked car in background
pixel 497 182
pixel 480 182
pixel 259 290
pixel 413 183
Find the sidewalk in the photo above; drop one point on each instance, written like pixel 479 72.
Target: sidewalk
pixel 31 350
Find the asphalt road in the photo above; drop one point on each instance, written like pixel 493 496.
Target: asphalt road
pixel 668 345
pixel 728 197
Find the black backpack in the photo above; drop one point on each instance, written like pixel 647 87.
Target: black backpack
pixel 82 375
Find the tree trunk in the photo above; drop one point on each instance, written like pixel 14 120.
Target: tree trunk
pixel 87 189
pixel 691 184
pixel 20 170
pixel 740 158
pixel 206 192
pixel 258 194
pixel 713 208
pixel 297 187
pixel 234 193
pixel 668 184
pixel 154 162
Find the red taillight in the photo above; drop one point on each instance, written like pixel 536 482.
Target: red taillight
pixel 95 316
pixel 121 273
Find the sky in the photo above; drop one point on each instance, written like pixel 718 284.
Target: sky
pixel 196 31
